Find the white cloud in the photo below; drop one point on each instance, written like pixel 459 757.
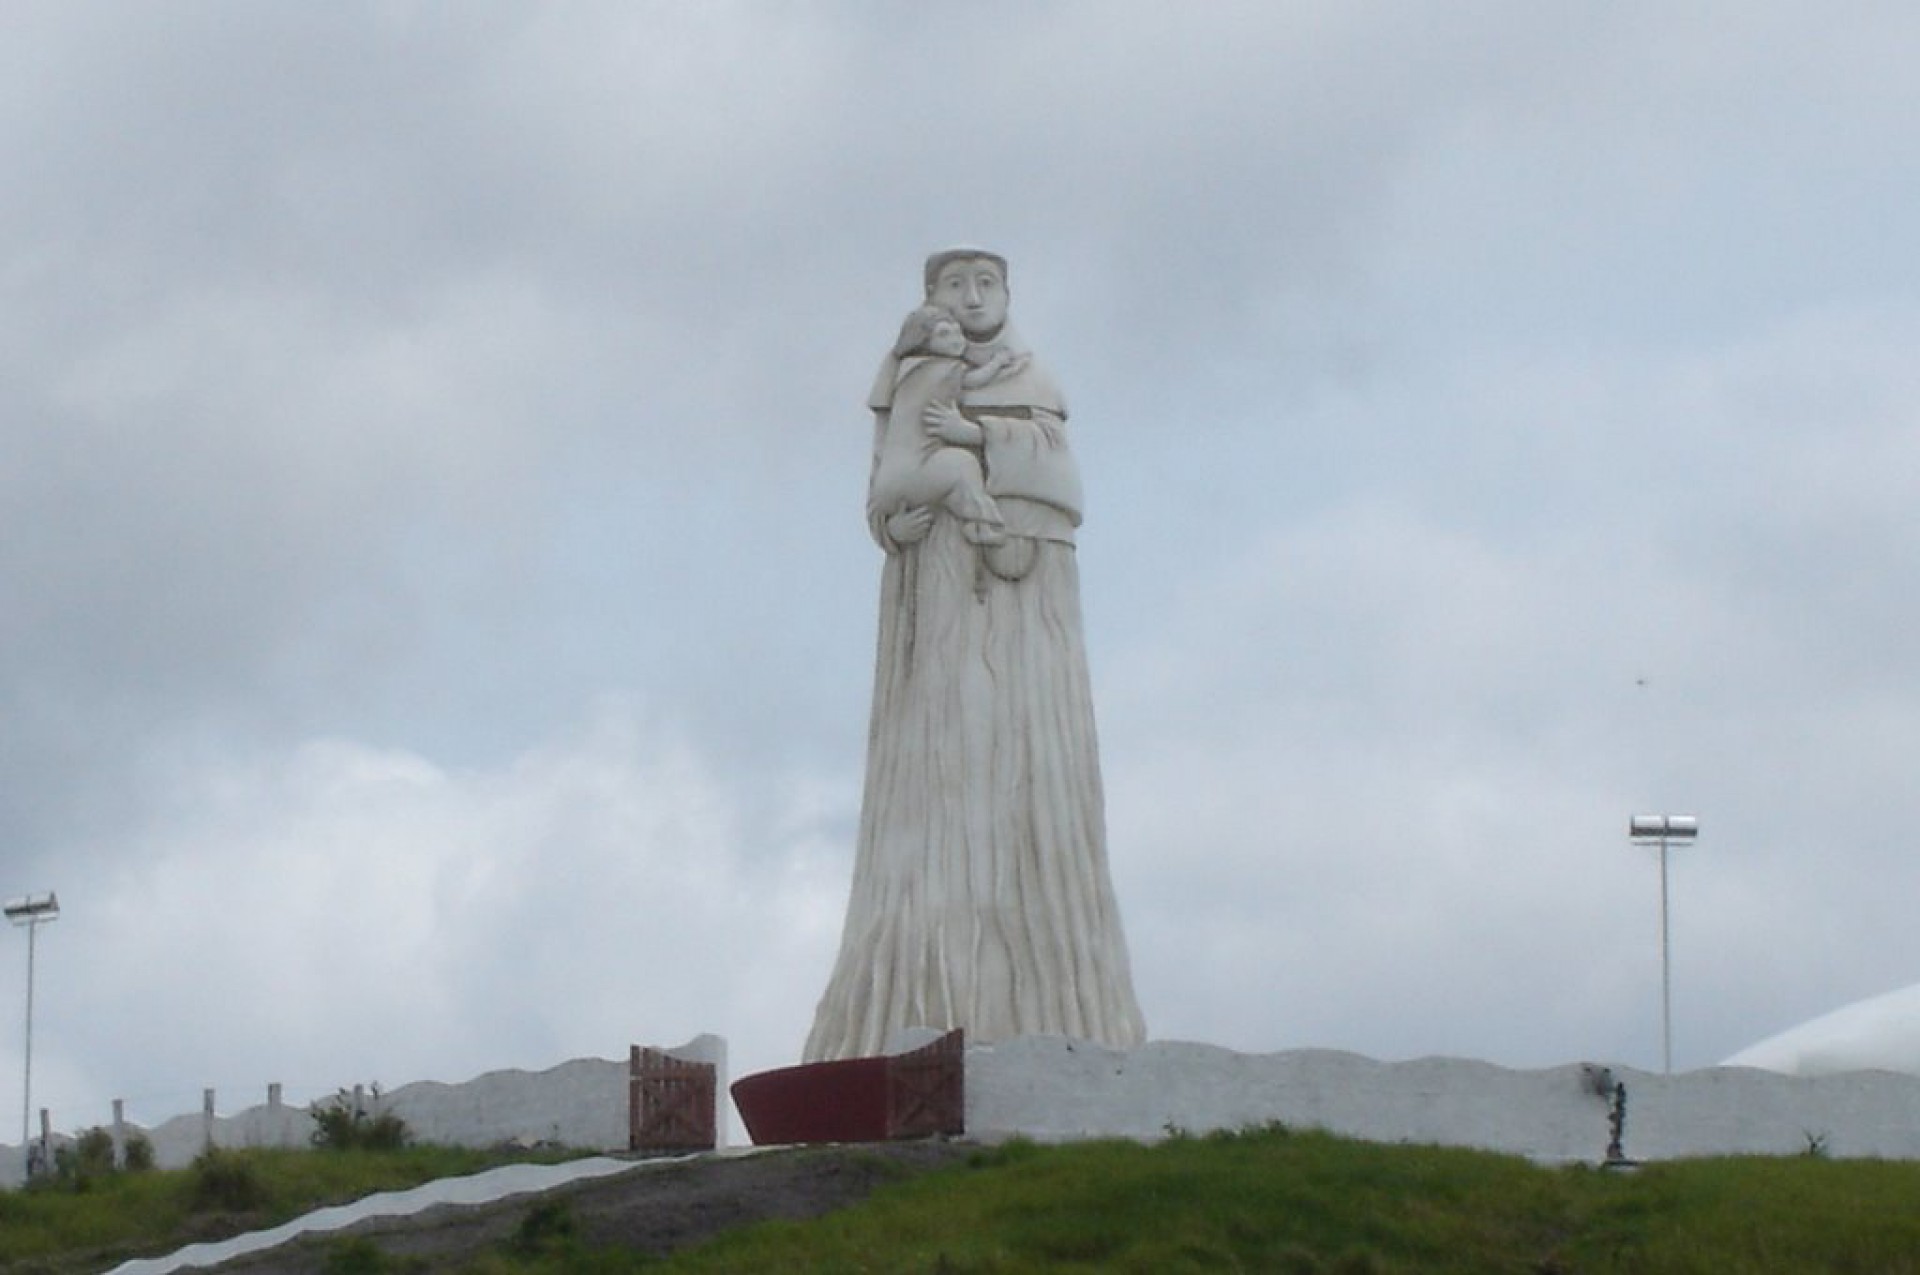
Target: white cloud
pixel 341 913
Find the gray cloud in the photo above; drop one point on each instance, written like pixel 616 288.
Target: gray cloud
pixel 431 457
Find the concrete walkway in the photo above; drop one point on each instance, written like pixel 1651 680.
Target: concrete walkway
pixel 479 1188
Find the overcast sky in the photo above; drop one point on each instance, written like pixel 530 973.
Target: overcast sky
pixel 437 616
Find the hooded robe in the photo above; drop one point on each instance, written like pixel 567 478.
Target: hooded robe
pixel 981 895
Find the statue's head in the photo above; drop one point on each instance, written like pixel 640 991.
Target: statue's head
pixel 930 329
pixel 971 285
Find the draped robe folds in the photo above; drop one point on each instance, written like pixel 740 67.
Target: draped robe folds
pixel 981 894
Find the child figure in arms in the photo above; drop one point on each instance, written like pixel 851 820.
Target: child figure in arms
pixel 911 468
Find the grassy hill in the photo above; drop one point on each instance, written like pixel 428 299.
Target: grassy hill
pixel 1267 1200
pixel 1274 1201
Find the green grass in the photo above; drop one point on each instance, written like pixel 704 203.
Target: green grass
pixel 123 1215
pixel 1273 1201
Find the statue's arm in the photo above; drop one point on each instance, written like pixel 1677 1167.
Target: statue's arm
pixel 1003 364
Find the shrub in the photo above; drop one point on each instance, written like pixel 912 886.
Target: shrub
pixel 226 1181
pixel 93 1151
pixel 79 1163
pixel 137 1156
pixel 341 1123
pixel 546 1230
pixel 361 1256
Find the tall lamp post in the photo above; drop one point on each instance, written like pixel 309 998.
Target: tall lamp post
pixel 32 911
pixel 1664 830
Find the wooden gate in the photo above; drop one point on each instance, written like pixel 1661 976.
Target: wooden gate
pixel 670 1102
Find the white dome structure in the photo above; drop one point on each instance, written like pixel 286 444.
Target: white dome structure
pixel 1881 1033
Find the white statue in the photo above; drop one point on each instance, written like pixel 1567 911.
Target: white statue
pixel 910 468
pixel 981 897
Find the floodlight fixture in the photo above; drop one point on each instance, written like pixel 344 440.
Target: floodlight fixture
pixel 1648 830
pixel 31 911
pixel 1664 831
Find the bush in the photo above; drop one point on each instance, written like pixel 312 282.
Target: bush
pixel 342 1124
pixel 547 1230
pixel 226 1181
pixel 138 1154
pixel 92 1151
pixel 78 1164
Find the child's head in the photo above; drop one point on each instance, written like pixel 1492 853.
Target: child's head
pixel 930 330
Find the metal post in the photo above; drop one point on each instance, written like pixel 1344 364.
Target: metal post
pixel 1666 971
pixel 26 1099
pixel 32 911
pixel 1661 830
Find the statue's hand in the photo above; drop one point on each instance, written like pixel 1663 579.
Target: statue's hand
pixel 910 525
pixel 1003 364
pixel 944 421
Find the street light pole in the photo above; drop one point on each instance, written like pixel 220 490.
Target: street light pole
pixel 32 911
pixel 1646 830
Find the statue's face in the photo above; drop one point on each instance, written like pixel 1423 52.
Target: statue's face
pixel 974 292
pixel 946 339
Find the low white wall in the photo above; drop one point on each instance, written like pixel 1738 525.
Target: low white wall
pixel 1050 1088
pixel 583 1103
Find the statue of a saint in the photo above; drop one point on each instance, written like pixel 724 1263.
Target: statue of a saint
pixel 981 897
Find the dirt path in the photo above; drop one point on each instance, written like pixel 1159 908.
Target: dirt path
pixel 657 1208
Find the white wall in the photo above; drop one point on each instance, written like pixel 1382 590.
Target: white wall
pixel 1052 1088
pixel 582 1103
